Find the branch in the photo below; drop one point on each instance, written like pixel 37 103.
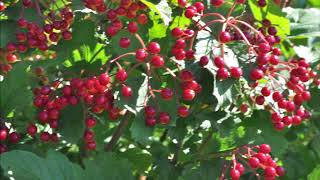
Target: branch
pixel 119 131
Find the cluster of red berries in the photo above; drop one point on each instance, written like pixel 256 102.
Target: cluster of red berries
pixel 129 9
pixel 6 137
pixel 93 91
pixel 255 157
pixel 88 135
pixel 31 35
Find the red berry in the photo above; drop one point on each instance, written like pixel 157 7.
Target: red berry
pixel 260 100
pixel 153 48
pixel 90 122
pixel 126 91
pixel 270 172
pixel 188 95
pixel 235 174
pixel 236 72
pixel 3 134
pixel 264 48
pixel 66 35
pixel 121 75
pixel 199 6
pixel 254 162
pixel 132 27
pixel 222 73
pixel 164 118
pixel 14 137
pixel 157 61
pixel 265 148
pixel 104 79
pixel 225 37
pixel 141 55
pixel 183 111
pixel 186 75
pixel 265 91
pixel 189 13
pixel 256 74
pixel 88 135
pixel 54 114
pixel 150 121
pixel 279 126
pixel 219 62
pixel 32 129
pixel 166 94
pixel 296 120
pixel 216 3
pixel 204 60
pixel 240 168
pixel 91 145
pixel 11 58
pixel 287 120
pixel 182 3
pixel 150 111
pixel 280 171
pixel 124 42
pixel 142 19
pixel 177 32
pixel 2 6
pixel 244 108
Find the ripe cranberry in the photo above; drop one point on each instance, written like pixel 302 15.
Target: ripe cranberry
pixel 32 129
pixel 235 174
pixel 111 30
pixel 260 100
pixel 204 60
pixel 3 134
pixel 14 137
pixel 256 74
pixel 91 145
pixel 222 74
pixel 306 95
pixel 126 91
pixel 73 100
pixel 153 48
pixel 166 94
pixel 124 42
pixel 188 95
pixel 216 3
pixel 190 54
pixel 180 43
pixel 157 61
pixel 225 37
pixel 296 120
pixel 275 117
pixel 290 106
pixel 22 23
pixel 270 172
pixel 149 111
pixel 265 148
pixel 177 32
pixel 274 60
pixel 183 111
pixel 133 27
pixel 199 6
pixel 150 121
pixel 90 122
pixel 272 30
pixel 164 118
pixel 236 72
pixel 277 96
pixel 219 62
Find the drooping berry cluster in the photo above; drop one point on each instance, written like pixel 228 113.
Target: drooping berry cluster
pixel 254 158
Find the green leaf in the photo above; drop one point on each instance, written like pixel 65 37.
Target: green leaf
pixel 207 170
pixel 14 90
pixel 107 166
pixel 139 131
pixel 6 35
pixel 162 8
pixel 272 12
pixel 303 22
pixel 314 3
pixel 71 125
pixel 139 160
pixel 30 14
pixel 315 174
pixel 28 166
